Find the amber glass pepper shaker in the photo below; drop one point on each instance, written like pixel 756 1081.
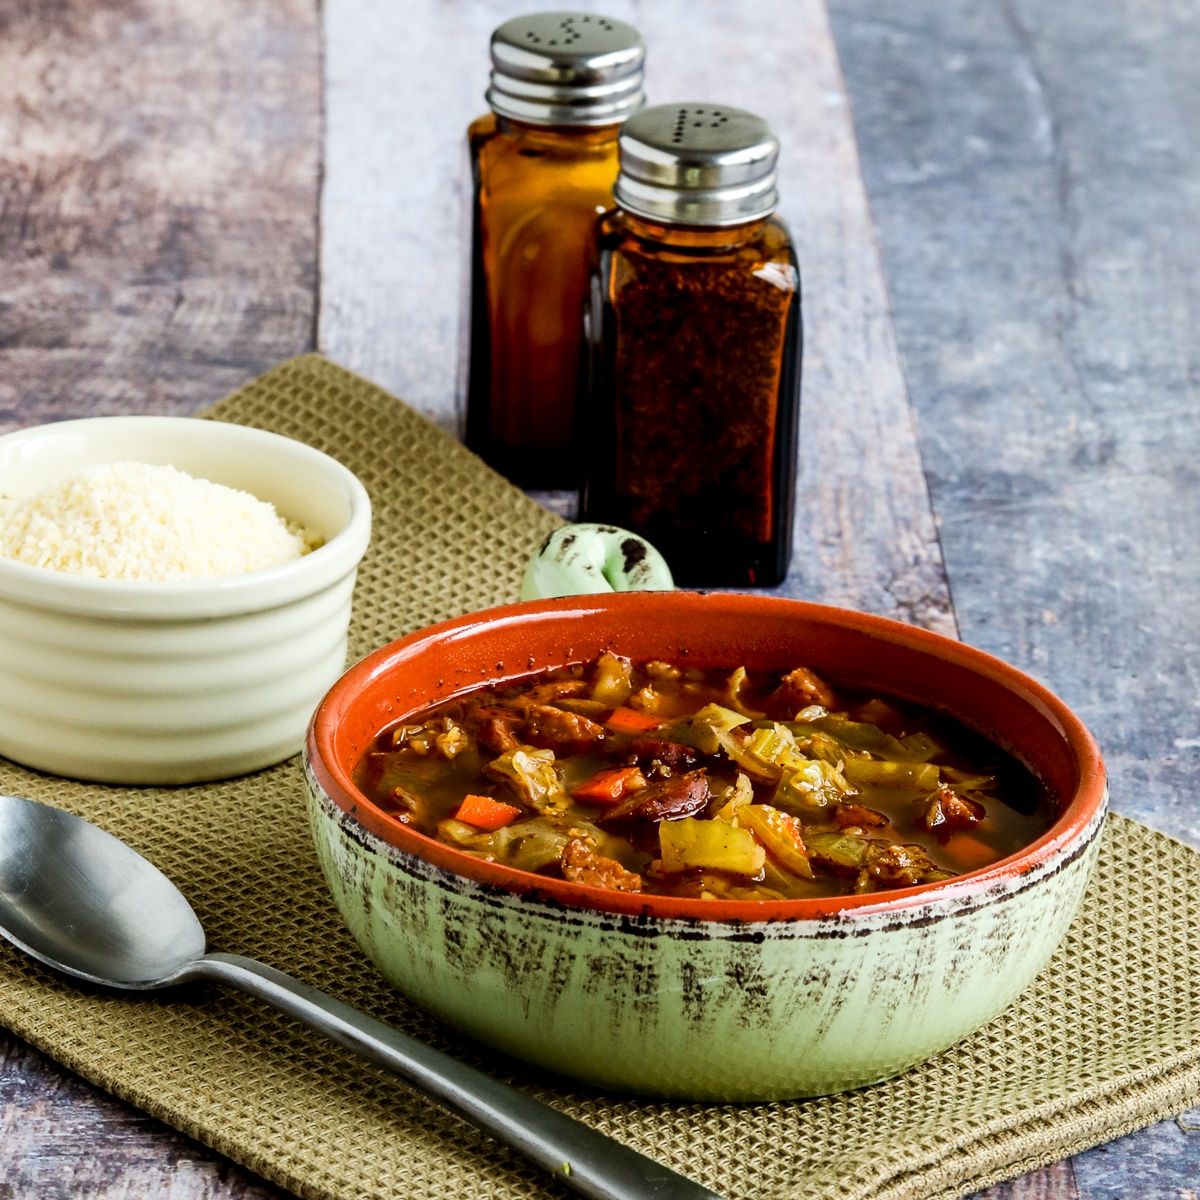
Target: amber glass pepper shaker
pixel 543 162
pixel 694 335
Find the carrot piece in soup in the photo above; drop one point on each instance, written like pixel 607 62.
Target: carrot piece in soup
pixel 629 720
pixel 609 786
pixel 969 852
pixel 485 813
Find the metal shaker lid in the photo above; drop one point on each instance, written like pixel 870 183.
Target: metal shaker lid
pixel 566 68
pixel 697 164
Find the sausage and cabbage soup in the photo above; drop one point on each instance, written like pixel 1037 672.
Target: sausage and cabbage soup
pixel 724 784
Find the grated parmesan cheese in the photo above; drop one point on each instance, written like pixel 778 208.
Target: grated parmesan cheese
pixel 129 520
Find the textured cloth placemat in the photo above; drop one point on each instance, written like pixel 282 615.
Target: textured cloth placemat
pixel 1104 1042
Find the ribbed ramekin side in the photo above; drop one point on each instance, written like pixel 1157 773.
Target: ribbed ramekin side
pixel 136 701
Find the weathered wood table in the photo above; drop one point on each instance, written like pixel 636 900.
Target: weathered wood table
pixel 1006 451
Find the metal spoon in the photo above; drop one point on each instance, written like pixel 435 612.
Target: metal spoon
pixel 85 903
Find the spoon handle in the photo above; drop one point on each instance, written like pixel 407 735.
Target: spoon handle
pixel 577 1155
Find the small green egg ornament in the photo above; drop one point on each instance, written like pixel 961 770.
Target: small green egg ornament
pixel 583 559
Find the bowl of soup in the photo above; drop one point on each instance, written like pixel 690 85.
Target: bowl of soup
pixel 702 846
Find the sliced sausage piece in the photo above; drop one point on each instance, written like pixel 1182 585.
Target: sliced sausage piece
pixel 552 728
pixel 546 693
pixel 581 864
pixel 846 814
pixel 945 811
pixel 674 755
pixel 900 866
pixel 495 727
pixel 797 690
pixel 666 800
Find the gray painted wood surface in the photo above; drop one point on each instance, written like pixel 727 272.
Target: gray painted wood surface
pixel 158 220
pixel 158 185
pixel 1033 172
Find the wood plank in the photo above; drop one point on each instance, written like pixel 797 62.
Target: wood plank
pixel 1034 174
pixel 392 247
pixel 1055 1182
pixel 158 193
pixel 1034 171
pixel 158 219
pixel 63 1139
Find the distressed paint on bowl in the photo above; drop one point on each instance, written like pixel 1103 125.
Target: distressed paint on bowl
pixel 695 999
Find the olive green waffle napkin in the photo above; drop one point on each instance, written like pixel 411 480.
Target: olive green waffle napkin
pixel 1107 1039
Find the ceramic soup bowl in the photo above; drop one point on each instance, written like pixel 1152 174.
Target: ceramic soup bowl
pixel 701 999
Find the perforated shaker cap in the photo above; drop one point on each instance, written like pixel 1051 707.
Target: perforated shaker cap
pixel 697 164
pixel 566 68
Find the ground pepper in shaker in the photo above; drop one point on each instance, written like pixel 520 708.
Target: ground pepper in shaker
pixel 543 162
pixel 694 336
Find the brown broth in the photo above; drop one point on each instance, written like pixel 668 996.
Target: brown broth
pixel 988 821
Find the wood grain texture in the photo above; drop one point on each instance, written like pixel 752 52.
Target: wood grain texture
pixel 992 135
pixel 392 249
pixel 158 221
pixel 1055 1182
pixel 62 1139
pixel 158 200
pixel 1034 173
pixel 1163 1160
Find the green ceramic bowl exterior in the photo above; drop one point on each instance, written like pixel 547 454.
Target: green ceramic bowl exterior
pixel 694 999
pixel 696 1010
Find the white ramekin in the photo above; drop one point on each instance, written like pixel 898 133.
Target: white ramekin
pixel 137 682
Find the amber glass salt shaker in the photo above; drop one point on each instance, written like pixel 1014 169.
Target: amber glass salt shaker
pixel 543 163
pixel 694 334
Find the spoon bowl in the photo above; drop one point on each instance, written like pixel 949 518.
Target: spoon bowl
pixel 85 903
